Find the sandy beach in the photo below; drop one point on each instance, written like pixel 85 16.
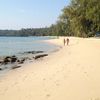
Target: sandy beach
pixel 72 73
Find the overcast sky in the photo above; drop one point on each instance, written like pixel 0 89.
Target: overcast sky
pixel 17 14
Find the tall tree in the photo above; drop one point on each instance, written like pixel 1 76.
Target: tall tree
pixel 80 18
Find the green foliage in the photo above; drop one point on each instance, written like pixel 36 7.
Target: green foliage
pixel 26 32
pixel 81 18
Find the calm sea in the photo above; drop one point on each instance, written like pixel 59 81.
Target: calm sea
pixel 16 45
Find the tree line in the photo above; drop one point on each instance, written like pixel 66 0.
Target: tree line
pixel 80 18
pixel 26 32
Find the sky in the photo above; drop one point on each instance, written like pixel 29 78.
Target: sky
pixel 17 14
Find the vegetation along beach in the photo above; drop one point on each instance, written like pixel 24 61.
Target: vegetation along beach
pixel 45 58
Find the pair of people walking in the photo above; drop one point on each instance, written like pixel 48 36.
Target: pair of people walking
pixel 66 41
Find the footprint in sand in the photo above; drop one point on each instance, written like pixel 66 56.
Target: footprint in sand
pixel 5 90
pixel 14 84
pixel 57 83
pixel 86 73
pixel 58 71
pixel 48 95
pixel 65 76
pixel 25 77
pixel 44 79
pixel 95 99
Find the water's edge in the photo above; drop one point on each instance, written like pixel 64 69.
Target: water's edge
pixel 10 62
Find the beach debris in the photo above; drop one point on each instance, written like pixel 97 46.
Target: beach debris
pixel 13 59
pixel 33 52
pixel 0 69
pixel 16 66
pixel 16 61
pixel 22 60
pixel 1 61
pixel 9 59
pixel 6 60
pixel 39 56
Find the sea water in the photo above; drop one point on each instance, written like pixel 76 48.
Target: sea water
pixel 15 45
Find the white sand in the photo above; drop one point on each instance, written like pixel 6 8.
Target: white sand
pixel 72 73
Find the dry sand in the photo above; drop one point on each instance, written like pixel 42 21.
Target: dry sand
pixel 72 73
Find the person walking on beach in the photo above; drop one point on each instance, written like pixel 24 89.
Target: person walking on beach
pixel 67 41
pixel 64 41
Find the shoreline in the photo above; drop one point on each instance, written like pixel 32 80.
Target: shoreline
pixel 71 73
pixel 10 62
